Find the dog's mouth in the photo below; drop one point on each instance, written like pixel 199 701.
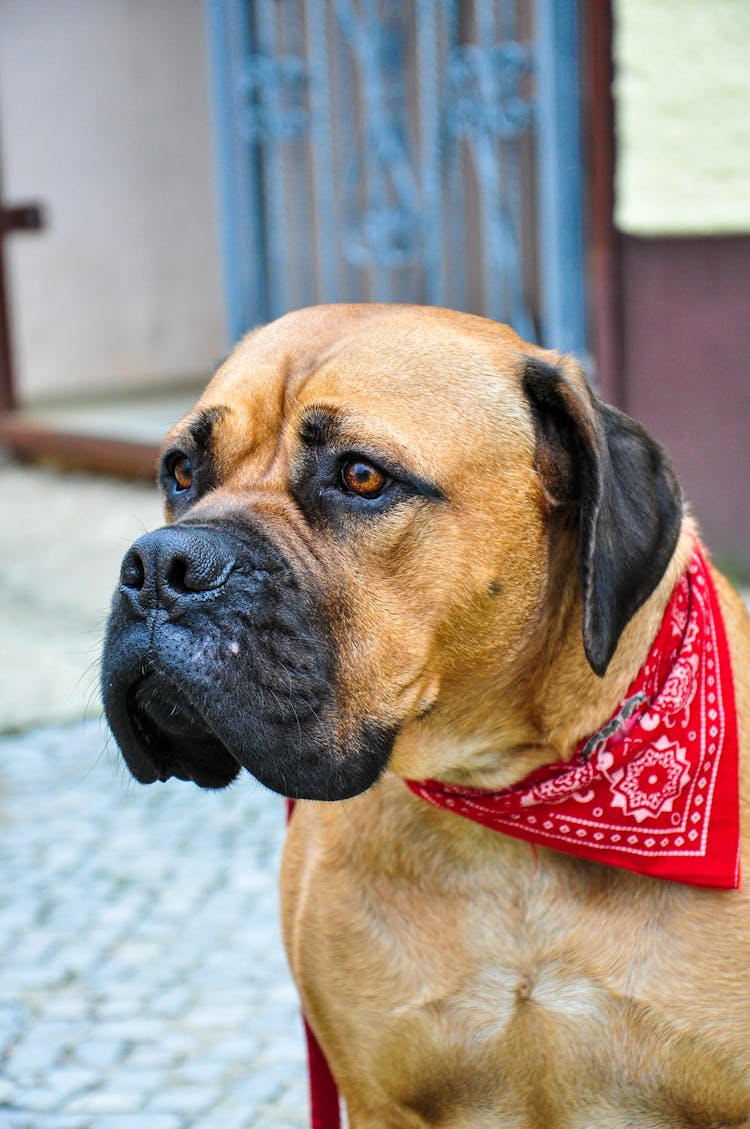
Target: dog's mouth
pixel 202 679
pixel 173 737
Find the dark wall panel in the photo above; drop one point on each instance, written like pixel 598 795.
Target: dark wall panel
pixel 686 349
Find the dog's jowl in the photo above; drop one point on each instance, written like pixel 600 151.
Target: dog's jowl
pixel 416 576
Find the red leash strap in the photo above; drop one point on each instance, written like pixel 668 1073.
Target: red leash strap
pixel 325 1109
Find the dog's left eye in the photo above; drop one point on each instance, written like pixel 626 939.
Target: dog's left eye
pixel 363 479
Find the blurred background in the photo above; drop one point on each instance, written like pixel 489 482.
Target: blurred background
pixel 173 173
pixel 176 172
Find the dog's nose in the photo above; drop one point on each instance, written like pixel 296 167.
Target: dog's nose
pixel 173 567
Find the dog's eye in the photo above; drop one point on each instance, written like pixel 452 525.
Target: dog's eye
pixel 181 470
pixel 362 478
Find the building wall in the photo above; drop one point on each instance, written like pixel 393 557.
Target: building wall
pixel 686 348
pixel 682 105
pixel 104 119
pixel 682 91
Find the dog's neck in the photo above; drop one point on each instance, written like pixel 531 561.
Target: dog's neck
pixel 530 722
pixel 569 678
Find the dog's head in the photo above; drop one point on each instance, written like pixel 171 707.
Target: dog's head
pixel 375 514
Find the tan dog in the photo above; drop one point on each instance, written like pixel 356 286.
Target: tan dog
pixel 407 544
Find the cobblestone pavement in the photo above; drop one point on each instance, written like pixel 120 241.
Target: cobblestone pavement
pixel 63 539
pixel 142 980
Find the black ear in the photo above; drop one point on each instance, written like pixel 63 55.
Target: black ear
pixel 599 465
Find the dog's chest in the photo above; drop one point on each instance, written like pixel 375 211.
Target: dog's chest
pixel 513 999
pixel 542 1034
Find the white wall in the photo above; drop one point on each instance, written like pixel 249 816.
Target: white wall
pixel 104 118
pixel 683 116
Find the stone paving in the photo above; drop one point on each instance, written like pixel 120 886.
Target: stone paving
pixel 63 537
pixel 142 979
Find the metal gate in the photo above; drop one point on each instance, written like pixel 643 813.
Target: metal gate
pixel 401 150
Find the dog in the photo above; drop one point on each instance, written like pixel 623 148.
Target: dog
pixel 408 555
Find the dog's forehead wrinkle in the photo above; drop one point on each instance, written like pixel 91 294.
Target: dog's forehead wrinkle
pixel 319 425
pixel 200 427
pixel 324 426
pixel 197 428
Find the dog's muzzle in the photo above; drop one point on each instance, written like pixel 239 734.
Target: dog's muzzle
pixel 217 658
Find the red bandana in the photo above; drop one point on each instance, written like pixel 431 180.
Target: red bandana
pixel 655 790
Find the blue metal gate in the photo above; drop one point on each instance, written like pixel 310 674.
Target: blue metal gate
pixel 401 150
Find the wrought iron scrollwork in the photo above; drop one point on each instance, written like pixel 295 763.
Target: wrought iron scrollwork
pixel 274 92
pixel 485 95
pixel 390 153
pixel 381 199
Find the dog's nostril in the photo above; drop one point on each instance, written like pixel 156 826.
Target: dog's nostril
pixel 198 568
pixel 177 576
pixel 132 573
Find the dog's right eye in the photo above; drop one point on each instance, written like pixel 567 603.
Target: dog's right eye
pixel 363 478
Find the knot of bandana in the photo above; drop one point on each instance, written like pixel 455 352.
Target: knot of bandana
pixel 655 789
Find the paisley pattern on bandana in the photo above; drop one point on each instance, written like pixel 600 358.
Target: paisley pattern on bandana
pixel 656 790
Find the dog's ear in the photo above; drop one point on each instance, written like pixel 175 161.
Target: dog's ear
pixel 599 467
